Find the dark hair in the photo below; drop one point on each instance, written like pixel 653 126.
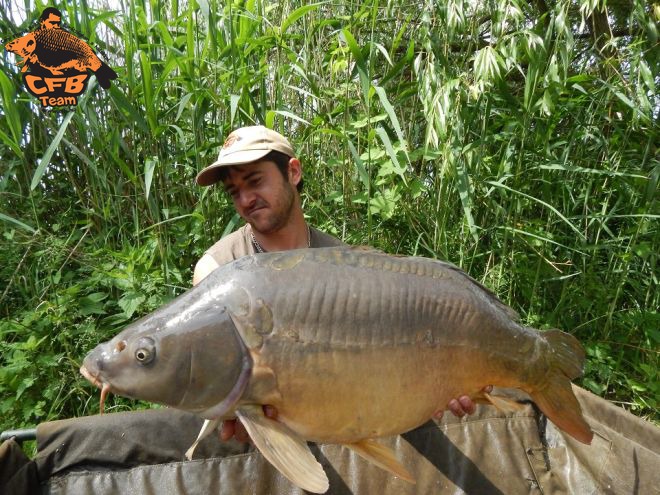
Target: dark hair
pixel 281 160
pixel 49 10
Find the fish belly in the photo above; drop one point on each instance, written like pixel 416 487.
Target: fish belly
pixel 343 397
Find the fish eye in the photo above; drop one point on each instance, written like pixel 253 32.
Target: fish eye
pixel 146 351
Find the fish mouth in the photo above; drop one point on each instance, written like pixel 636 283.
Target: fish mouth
pixel 105 387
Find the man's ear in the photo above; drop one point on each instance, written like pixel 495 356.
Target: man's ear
pixel 295 171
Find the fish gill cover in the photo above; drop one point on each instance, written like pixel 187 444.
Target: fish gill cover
pixel 56 63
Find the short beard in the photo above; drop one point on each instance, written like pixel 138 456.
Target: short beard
pixel 282 214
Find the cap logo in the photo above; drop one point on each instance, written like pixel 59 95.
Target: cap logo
pixel 231 139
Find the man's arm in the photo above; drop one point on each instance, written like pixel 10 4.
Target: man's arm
pixel 204 267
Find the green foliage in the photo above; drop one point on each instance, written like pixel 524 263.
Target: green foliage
pixel 516 139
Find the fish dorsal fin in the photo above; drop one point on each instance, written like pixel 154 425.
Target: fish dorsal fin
pixel 208 427
pixel 509 311
pixel 284 449
pixel 381 456
pixel 504 404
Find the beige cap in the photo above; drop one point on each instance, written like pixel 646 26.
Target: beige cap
pixel 245 145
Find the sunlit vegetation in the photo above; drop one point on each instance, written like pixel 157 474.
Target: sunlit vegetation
pixel 518 140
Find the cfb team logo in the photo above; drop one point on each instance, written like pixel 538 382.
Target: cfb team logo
pixel 55 63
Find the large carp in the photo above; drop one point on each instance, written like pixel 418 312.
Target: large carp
pixel 348 344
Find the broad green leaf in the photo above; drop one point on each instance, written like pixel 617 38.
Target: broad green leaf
pixel 130 302
pixel 487 64
pixel 182 105
pixel 270 119
pixel 297 14
pixel 92 304
pixel 365 82
pixel 231 225
pixel 9 219
pixel 393 118
pixel 400 65
pixel 359 164
pixel 233 105
pixel 161 27
pixel 45 159
pixel 25 384
pixel 385 204
pixel 149 166
pixel 647 76
pixel 147 90
pixel 79 153
pixel 465 194
pixel 382 50
pixel 290 115
pixel 12 144
pixel 400 171
pixel 364 122
pixel 10 110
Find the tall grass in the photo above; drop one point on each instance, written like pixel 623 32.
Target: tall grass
pixel 512 138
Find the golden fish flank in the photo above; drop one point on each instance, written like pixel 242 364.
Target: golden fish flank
pixel 348 345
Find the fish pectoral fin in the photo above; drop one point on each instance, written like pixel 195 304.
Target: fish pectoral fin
pixel 284 449
pixel 208 427
pixel 504 404
pixel 381 456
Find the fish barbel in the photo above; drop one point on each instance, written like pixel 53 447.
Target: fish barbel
pixel 348 344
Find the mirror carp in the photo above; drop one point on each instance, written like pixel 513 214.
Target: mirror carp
pixel 349 344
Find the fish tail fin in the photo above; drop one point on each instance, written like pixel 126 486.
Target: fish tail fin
pixel 105 74
pixel 556 398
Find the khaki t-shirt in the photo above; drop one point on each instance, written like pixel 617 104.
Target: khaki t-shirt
pixel 239 244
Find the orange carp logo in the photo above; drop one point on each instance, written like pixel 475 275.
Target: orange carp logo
pixel 55 63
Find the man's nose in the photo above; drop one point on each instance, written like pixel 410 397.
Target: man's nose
pixel 246 199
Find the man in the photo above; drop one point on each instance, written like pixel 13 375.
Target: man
pixel 260 172
pixel 50 18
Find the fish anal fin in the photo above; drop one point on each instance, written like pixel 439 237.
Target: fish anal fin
pixel 208 427
pixel 481 397
pixel 555 396
pixel 382 456
pixel 504 404
pixel 284 449
pixel 559 404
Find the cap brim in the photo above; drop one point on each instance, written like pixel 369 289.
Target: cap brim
pixel 211 174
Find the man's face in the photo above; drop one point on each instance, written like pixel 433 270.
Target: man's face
pixel 261 195
pixel 53 21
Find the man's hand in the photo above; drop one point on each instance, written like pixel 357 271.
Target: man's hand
pixel 463 405
pixel 234 428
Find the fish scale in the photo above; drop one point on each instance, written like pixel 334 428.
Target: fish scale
pixel 62 46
